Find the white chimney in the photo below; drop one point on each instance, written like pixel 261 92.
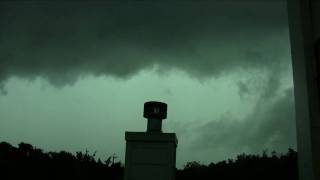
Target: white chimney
pixel 151 155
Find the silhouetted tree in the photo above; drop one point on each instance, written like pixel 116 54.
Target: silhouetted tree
pixel 249 167
pixel 28 162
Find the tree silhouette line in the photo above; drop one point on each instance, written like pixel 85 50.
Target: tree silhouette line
pixel 28 162
pixel 245 167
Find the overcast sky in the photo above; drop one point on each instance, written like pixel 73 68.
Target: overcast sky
pixel 75 75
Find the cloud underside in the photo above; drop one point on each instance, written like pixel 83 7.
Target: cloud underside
pixel 270 126
pixel 64 41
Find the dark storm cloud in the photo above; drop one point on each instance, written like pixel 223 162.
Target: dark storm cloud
pixel 270 126
pixel 66 40
pixel 243 88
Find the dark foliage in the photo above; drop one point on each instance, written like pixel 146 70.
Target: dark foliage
pixel 246 167
pixel 28 162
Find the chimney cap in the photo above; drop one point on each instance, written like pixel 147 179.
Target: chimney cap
pixel 155 110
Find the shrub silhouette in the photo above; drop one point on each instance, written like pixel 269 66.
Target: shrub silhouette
pixel 248 167
pixel 28 162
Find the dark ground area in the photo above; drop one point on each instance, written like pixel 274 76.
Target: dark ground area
pixel 28 162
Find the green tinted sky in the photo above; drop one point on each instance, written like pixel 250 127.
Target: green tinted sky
pixel 75 75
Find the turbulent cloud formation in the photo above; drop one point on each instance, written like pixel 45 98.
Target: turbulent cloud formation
pixel 63 41
pixel 270 125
